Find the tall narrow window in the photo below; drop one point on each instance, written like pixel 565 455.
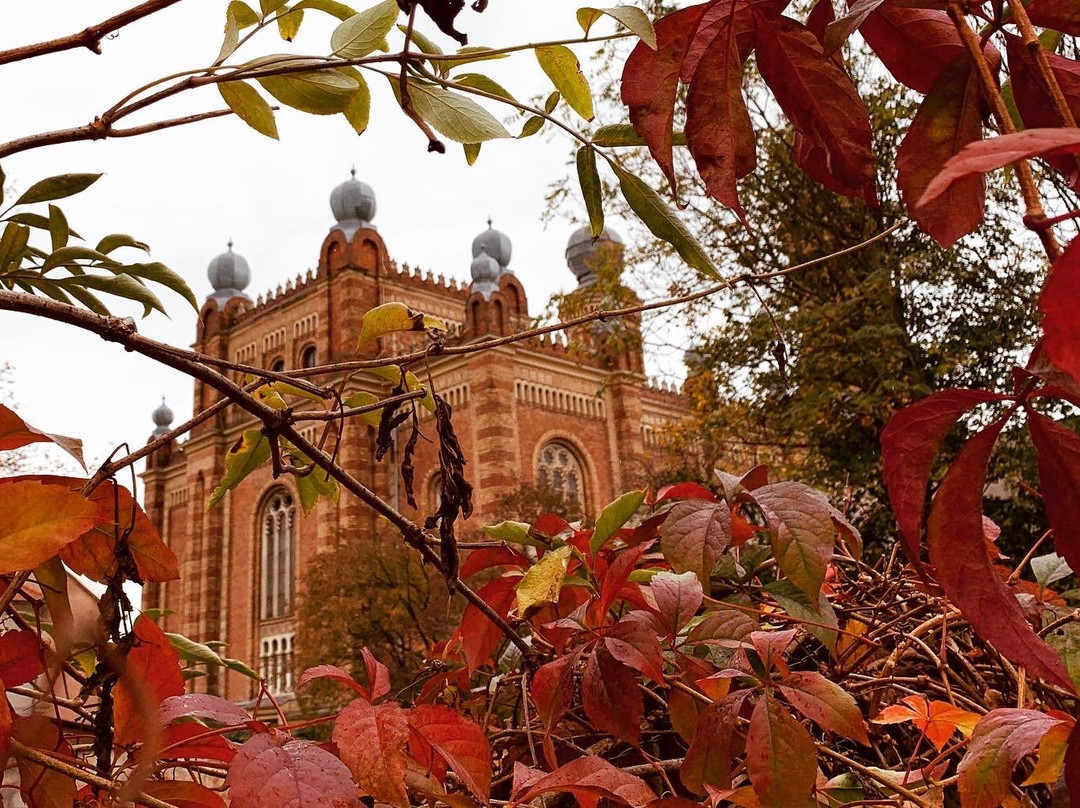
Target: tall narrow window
pixel 560 471
pixel 310 357
pixel 278 526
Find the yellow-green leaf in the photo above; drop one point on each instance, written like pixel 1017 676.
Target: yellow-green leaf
pixel 323 92
pixel 59 231
pixel 314 484
pixel 159 273
pixel 472 151
pixel 248 454
pixel 662 221
pixel 391 317
pixel 452 114
pixel 532 126
pixel 564 70
pixel 472 53
pixel 613 517
pixel 358 112
pixel 515 532
pixel 38 520
pixel 232 37
pixel 57 188
pixel 331 7
pixel 270 6
pixel 365 32
pixel 544 580
pixel 630 17
pixel 249 106
pixel 478 81
pixel 243 14
pixel 288 23
pixel 392 374
pixel 591 190
pixel 364 399
pixel 552 102
pixel 427 46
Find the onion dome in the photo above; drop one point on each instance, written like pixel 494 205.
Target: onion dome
pixel 485 274
pixel 495 243
pixel 582 251
pixel 229 274
pixel 353 205
pixel 163 418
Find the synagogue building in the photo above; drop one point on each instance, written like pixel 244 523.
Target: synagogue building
pixel 573 415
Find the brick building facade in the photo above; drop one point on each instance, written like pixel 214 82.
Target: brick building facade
pixel 562 413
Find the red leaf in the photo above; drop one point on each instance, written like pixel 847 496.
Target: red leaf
pixel 42 787
pixel 780 756
pixel 998 152
pixel 949 118
pixel 15 432
pixel 487 557
pixel 1061 327
pixel 1001 739
pixel 1059 483
pixel 719 133
pixel 771 645
pixel 480 638
pixel 821 102
pixel 678 597
pixel 213 709
pixel 5 725
pixel 610 695
pixel 38 520
pixel 20 657
pixel 708 760
pixel 1062 15
pixel 334 673
pixel 724 627
pixel 650 81
pixel 460 742
pixel 694 536
pixel 183 794
pixel 371 741
pixel 825 703
pixel 378 675
pixel 1072 765
pixel 272 770
pixel 152 674
pixel 1034 103
pixel 717 17
pixel 966 571
pixel 618 573
pixel 551 524
pixel 592 777
pixel 183 741
pixel 635 645
pixel 552 688
pixel 684 491
pixel 914 44
pixel 909 444
pixel 733 484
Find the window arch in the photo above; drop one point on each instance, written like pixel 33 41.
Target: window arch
pixel 277 527
pixel 310 357
pixel 278 365
pixel 559 469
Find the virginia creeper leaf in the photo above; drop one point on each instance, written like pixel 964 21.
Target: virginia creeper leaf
pixel 543 581
pixel 591 777
pixel 151 675
pixel 825 703
pixel 678 597
pixel 15 432
pixel 611 698
pixel 371 741
pixel 1059 483
pixel 1061 329
pixel 183 794
pixel 272 770
pixel 914 44
pixel 480 638
pixel 21 656
pixel 780 756
pixel 39 520
pixel 207 708
pixel 460 742
pixel 614 516
pixel 694 535
pixel 1001 739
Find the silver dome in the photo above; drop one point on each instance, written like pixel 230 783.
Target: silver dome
pixel 581 251
pixel 229 274
pixel 495 243
pixel 163 418
pixel 353 205
pixel 485 274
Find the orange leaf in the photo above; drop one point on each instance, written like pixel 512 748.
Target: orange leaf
pixel 37 520
pixel 15 432
pixel 183 794
pixel 152 675
pixel 938 720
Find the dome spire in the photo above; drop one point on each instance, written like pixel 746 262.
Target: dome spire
pixel 496 244
pixel 163 417
pixel 584 254
pixel 353 205
pixel 229 274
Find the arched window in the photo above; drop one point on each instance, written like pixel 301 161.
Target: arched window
pixel 310 357
pixel 560 471
pixel 278 527
pixel 278 366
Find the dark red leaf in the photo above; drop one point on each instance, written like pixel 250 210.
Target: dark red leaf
pixel 836 32
pixel 678 597
pixel 1000 740
pixel 1062 15
pixel 966 571
pixel 708 760
pixel 151 675
pixel 694 536
pixel 183 741
pixel 949 118
pixel 635 645
pixel 20 657
pixel 1061 327
pixel 909 444
pixel 610 695
pixel 780 756
pixel 618 573
pixel 272 770
pixel 821 102
pixel 371 741
pixel 990 155
pixel 914 44
pixel 551 524
pixel 334 673
pixel 1059 483
pixel 487 557
pixel 5 724
pixel 203 706
pixel 552 688
pixel 1072 765
pixel 183 794
pixel 650 81
pixel 591 777
pixel 460 742
pixel 825 703
pixel 480 637
pixel 720 12
pixel 684 491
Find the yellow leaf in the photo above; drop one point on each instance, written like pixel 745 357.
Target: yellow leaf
pixel 391 317
pixel 543 582
pixel 564 70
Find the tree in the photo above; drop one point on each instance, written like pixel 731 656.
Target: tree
pixel 679 646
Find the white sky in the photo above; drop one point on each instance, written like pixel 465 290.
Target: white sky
pixel 186 191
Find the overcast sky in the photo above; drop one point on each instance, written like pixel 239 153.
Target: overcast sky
pixel 187 191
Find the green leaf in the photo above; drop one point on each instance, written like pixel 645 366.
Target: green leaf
pixel 552 102
pixel 613 517
pixel 288 23
pixel 313 485
pixel 363 399
pixel 248 454
pixel 270 6
pixel 471 54
pixel 58 187
pixel 456 116
pixel 478 81
pixel 331 7
pixel 1049 569
pixel 249 106
pixel 115 241
pixel 323 92
pixel 358 111
pixel 624 134
pixel 543 581
pixel 662 221
pixel 365 32
pixel 634 19
pixel 472 151
pixel 159 273
pixel 121 285
pixel 513 532
pixel 564 70
pixel 12 244
pixel 59 232
pixel 427 46
pixel 88 299
pixel 74 253
pixel 532 126
pixel 393 317
pixel 244 15
pixel 591 189
pixel 392 374
pixel 191 651
pixel 798 604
